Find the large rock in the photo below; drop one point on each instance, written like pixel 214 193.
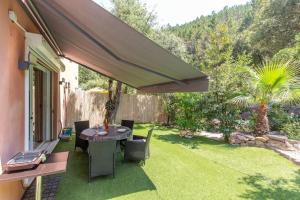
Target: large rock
pixel 289 146
pixel 239 138
pixel 280 138
pixel 259 143
pixel 297 146
pixel 251 142
pixel 262 139
pixel 276 144
pixel 250 137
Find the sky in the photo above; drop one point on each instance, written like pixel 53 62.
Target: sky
pixel 181 11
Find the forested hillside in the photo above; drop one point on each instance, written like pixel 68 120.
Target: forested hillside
pixel 260 29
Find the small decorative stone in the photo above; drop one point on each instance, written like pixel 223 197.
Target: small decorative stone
pixel 186 134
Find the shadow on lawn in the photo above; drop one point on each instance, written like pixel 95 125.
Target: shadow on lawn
pixel 193 143
pixel 129 178
pixel 265 188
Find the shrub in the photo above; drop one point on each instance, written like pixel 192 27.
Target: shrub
pixel 292 129
pixel 278 117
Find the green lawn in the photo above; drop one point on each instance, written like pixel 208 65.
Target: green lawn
pixel 180 168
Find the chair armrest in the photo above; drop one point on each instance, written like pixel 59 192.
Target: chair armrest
pixel 137 137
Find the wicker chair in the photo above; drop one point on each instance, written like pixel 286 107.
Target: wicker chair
pixel 128 124
pixel 101 158
pixel 79 127
pixel 138 148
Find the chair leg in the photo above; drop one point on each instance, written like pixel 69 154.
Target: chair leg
pixel 113 165
pixel 89 169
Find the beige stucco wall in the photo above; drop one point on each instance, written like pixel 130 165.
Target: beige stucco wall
pixel 70 74
pixel 12 90
pixel 71 84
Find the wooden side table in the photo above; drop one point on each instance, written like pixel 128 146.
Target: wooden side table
pixel 56 163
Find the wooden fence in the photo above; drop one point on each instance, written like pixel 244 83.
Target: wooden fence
pixel 83 105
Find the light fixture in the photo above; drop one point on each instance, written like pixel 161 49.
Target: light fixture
pixel 63 80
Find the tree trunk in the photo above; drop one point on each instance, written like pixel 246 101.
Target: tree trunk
pixel 262 122
pixel 110 84
pixel 108 112
pixel 116 100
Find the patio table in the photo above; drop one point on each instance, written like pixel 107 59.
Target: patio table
pixel 113 134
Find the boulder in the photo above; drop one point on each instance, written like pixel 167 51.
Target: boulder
pixel 286 146
pixel 251 142
pixel 259 143
pixel 289 146
pixel 280 138
pixel 244 144
pixel 241 137
pixel 261 139
pixel 266 137
pixel 293 141
pixel 250 137
pixel 297 146
pixel 216 122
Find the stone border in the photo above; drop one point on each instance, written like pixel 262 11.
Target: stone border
pixel 289 149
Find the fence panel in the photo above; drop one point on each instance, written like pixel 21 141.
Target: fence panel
pixel 83 105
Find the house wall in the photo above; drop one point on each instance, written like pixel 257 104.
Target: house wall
pixel 70 75
pixel 12 90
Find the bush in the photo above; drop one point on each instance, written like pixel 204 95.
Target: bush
pixel 278 117
pixel 292 129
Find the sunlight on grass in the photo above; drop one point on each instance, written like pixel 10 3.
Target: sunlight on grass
pixel 181 168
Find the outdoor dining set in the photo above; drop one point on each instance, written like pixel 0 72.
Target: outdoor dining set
pixel 102 145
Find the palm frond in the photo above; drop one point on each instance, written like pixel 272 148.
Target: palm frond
pixel 291 97
pixel 275 77
pixel 243 101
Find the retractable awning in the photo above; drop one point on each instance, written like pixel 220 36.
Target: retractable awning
pixel 84 32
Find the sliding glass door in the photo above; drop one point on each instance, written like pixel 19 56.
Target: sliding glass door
pixel 39 106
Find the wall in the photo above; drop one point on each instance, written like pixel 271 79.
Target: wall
pixel 70 74
pixel 71 84
pixel 12 89
pixel 83 105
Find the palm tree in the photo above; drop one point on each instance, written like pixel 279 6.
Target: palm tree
pixel 274 82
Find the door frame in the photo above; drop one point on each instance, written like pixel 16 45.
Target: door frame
pixel 29 106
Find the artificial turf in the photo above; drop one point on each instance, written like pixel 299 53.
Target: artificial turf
pixel 180 168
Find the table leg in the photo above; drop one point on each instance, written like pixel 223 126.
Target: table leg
pixel 38 188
